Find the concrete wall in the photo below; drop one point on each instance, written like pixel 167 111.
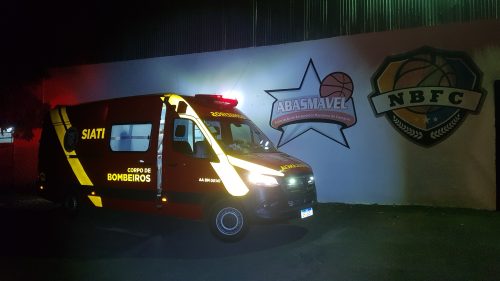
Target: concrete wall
pixel 364 160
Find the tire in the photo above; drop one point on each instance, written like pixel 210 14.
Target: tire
pixel 228 221
pixel 71 204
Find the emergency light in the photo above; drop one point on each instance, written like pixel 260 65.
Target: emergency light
pixel 218 99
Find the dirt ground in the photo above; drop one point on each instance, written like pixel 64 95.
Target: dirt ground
pixel 340 242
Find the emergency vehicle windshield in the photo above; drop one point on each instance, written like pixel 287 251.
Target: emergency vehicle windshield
pixel 239 136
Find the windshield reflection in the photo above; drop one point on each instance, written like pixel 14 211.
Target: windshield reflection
pixel 239 136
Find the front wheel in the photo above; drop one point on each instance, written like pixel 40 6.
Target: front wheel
pixel 71 204
pixel 228 221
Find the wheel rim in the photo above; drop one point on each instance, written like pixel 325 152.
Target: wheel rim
pixel 229 221
pixel 71 203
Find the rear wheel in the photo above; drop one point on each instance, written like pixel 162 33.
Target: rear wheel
pixel 228 221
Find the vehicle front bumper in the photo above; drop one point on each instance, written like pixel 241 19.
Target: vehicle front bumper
pixel 278 203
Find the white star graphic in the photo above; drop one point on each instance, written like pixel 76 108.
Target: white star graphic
pixel 309 86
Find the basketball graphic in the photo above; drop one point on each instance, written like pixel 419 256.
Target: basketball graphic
pixel 417 92
pixel 336 84
pixel 424 70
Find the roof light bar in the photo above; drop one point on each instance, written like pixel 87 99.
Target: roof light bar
pixel 218 99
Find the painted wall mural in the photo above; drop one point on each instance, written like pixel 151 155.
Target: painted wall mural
pixel 325 106
pixel 427 93
pixel 397 117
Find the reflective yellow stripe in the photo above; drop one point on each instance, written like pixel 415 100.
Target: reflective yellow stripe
pixel 252 167
pixel 96 200
pixel 230 178
pixel 226 172
pixel 60 126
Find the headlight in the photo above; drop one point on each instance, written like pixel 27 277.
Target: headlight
pixel 310 180
pixel 262 180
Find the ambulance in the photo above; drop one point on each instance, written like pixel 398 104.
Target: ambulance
pixel 194 157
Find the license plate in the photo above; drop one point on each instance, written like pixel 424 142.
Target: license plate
pixel 304 213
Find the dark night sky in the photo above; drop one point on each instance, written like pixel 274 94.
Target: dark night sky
pixel 41 34
pixel 57 32
pixel 35 34
pixel 44 32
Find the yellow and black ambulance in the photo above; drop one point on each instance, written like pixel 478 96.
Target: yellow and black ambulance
pixel 195 157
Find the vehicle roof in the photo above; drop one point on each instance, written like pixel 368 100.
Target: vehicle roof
pixel 203 107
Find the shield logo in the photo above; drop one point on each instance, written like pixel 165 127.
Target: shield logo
pixel 427 93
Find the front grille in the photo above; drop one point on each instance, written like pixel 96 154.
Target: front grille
pixel 299 183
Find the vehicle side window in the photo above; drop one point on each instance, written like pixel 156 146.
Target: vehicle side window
pixel 6 136
pixel 188 139
pixel 130 137
pixel 214 127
